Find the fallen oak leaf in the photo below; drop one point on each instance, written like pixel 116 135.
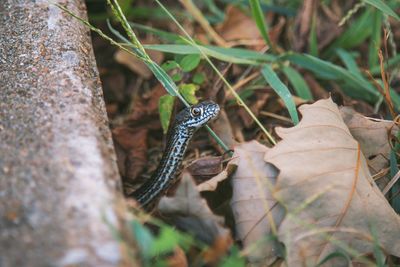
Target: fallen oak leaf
pixel 330 197
pixel 212 184
pixel 237 26
pixel 257 214
pixel 223 129
pixel 133 157
pixel 205 168
pixel 373 136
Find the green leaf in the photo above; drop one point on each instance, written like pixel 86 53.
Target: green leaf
pixel 173 69
pixel 333 255
pixel 198 78
pixel 258 17
pixel 356 33
pixel 190 62
pixel 375 40
pixel 126 6
pixel 166 242
pixel 327 70
pixel 165 106
pixel 349 62
pixel 215 10
pixel 299 84
pixel 281 89
pixel 380 4
pixel 167 36
pixel 379 255
pixel 242 53
pixel 188 91
pixel 177 77
pixel 395 201
pixel 170 65
pixel 143 237
pixel 395 98
pixel 234 259
pixel 163 78
pixel 233 55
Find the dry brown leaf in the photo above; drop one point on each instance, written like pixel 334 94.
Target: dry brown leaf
pixel 260 100
pixel 145 106
pixel 329 194
pixel 211 185
pixel 205 168
pixel 326 28
pixel 223 129
pixel 133 158
pixel 238 26
pixel 317 90
pixel 136 65
pixel 178 259
pixel 252 202
pixel 373 136
pixel 189 212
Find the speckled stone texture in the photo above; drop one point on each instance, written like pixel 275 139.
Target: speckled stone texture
pixel 58 177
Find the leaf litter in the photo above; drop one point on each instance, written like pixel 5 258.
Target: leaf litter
pixel 330 198
pixel 307 198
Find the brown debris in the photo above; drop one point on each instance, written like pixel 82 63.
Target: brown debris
pixel 261 98
pixel 205 168
pixel 222 127
pixel 238 28
pixel 136 65
pixel 133 142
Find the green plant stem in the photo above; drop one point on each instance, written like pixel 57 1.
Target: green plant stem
pixel 238 98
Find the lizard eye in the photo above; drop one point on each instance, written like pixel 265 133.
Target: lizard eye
pixel 196 111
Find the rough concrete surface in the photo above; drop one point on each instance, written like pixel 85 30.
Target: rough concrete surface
pixel 58 177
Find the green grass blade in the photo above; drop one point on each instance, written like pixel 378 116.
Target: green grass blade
pixel 262 26
pixel 158 72
pixel 375 40
pixel 395 98
pixel 244 53
pixel 234 93
pixel 117 11
pixel 299 84
pixel 215 10
pixel 165 80
pixel 233 55
pixel 135 49
pixel 379 255
pixel 167 36
pixel 332 256
pixel 281 89
pixel 330 71
pixel 355 34
pixel 395 202
pixel 380 4
pixel 349 62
